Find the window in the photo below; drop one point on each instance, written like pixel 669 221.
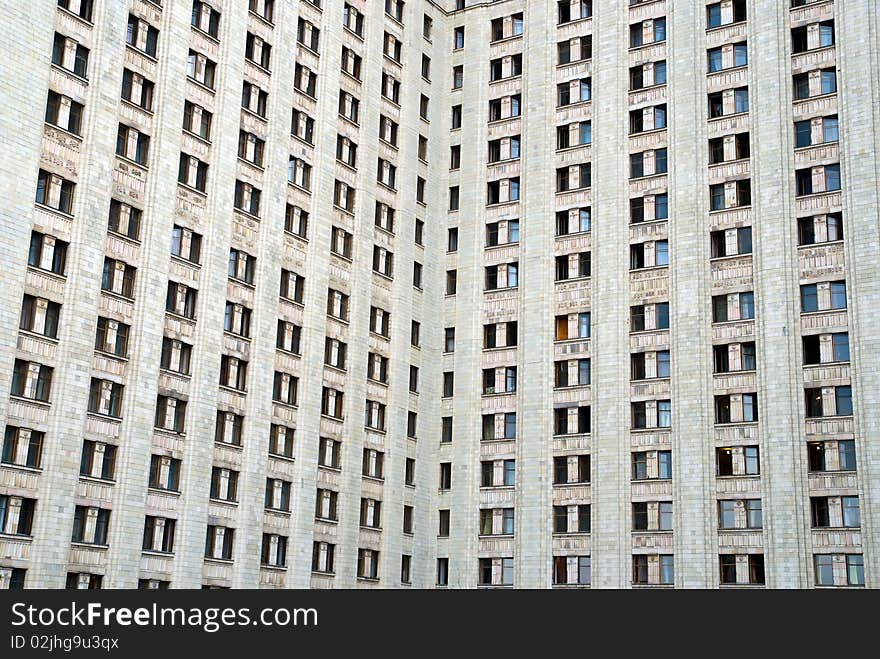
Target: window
pixel 54 192
pixel 368 564
pixel 344 196
pixel 124 220
pixel 164 473
pixel 714 17
pixel 458 37
pixel 206 18
pixel 70 55
pixel 650 118
pixel 83 8
pixel 353 19
pixel 292 286
pixel 31 380
pixel 575 91
pixel 241 266
pixel 277 495
pixel 176 355
pixel 218 542
pixel 233 373
pixel 394 9
pixel 568 11
pixel 273 551
pixel 731 242
pixel 307 35
pixel 329 453
pixel 322 557
pixel 201 69
pixel 90 525
pixel 197 120
pixel 170 414
pixel 16 515
pixel 855 570
pixel 228 428
pixel 64 112
pixel 158 534
pixel 22 447
pixel 141 35
pixel 192 172
pixel 284 388
pixel 349 106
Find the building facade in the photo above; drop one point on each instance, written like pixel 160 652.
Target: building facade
pixel 362 293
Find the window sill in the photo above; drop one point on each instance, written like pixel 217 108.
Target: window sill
pixel 18 467
pixel 718 211
pixel 728 69
pixel 43 337
pixel 359 37
pixel 647 268
pixel 157 552
pixel 70 133
pixel 582 278
pixel 253 114
pixel 54 211
pixel 643 177
pixel 295 303
pixel 221 561
pixel 649 131
pixel 575 20
pixel 492 394
pixel 502 439
pixel 170 431
pixel 189 188
pixel 198 83
pixel 79 18
pixel 97 479
pixel 505 39
pixel 349 120
pixel 305 92
pixel 732 115
pixel 76 76
pixel 580 189
pixel 88 545
pixel 210 37
pixel 728 257
pixel 16 536
pixel 573 147
pixel 278 511
pixel 722 26
pixel 96 414
pixel 262 18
